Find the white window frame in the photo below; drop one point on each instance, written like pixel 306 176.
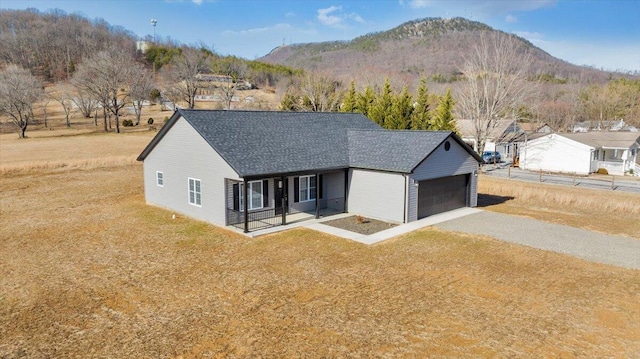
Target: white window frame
pixel 196 199
pixel 250 192
pixel 304 192
pixel 159 178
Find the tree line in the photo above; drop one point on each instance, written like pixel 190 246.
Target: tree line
pixel 388 108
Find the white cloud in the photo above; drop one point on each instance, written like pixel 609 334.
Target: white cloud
pixel 325 17
pixel 511 19
pixel 419 4
pixel 290 14
pixel 334 17
pixel 197 2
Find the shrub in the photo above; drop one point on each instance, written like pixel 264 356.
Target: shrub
pixel 360 220
pixel 150 121
pixel 155 94
pixel 602 171
pixel 166 118
pixel 127 123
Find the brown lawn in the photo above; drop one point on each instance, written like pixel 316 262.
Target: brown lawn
pixel 88 270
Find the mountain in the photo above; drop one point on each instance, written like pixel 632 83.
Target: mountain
pixel 433 47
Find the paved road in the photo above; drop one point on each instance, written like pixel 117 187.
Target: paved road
pixel 581 243
pixel 617 183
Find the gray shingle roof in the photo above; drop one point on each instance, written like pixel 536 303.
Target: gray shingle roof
pixel 256 143
pixel 396 151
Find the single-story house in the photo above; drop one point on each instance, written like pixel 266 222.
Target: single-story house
pixel 535 127
pixel 501 137
pixel 583 153
pixel 256 169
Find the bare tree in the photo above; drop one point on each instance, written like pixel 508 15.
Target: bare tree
pixel 141 83
pixel 496 83
pixel 86 103
pixel 103 75
pixel 18 91
pixel 318 93
pixel 181 75
pixel 64 96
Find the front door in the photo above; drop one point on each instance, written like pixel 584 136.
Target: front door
pixel 280 194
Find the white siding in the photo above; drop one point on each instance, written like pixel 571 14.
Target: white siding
pixel 442 163
pixel 181 154
pixel 555 153
pixel 375 194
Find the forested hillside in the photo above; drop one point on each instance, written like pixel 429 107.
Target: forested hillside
pixel 51 44
pixel 432 47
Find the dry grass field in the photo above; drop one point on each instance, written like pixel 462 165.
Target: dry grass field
pixel 598 210
pixel 88 270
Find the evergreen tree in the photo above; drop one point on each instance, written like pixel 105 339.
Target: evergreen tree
pixel 289 102
pixel 401 112
pixel 364 101
pixel 421 117
pixel 443 117
pixel 382 106
pixel 349 104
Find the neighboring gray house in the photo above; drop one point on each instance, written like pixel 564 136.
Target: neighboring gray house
pixel 287 166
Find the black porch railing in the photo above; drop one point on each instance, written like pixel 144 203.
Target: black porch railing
pixel 266 218
pixel 258 219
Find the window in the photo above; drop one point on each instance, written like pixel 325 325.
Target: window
pixel 160 179
pixel 195 192
pixel 307 190
pixel 255 193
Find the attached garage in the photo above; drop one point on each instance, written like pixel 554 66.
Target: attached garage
pixel 442 194
pixel 410 175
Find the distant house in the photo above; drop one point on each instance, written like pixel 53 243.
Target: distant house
pixel 536 127
pixel 606 125
pixel 502 137
pixel 255 169
pixel 583 153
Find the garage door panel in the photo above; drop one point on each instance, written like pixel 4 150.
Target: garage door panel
pixel 442 194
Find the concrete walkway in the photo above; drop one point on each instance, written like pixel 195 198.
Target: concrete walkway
pixel 581 243
pixel 394 231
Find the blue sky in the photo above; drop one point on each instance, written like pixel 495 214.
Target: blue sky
pixel 603 34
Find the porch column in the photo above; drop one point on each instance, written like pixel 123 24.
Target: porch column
pixel 245 203
pixel 346 187
pixel 317 196
pixel 283 198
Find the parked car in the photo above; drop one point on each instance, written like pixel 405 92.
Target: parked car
pixel 491 157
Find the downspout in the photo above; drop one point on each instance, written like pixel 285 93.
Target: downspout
pixel 283 195
pixel 317 196
pixel 346 188
pixel 406 198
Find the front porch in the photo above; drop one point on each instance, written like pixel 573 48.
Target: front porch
pixel 277 201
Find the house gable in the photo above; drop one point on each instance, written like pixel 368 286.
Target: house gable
pixel 398 151
pixel 556 153
pixel 182 155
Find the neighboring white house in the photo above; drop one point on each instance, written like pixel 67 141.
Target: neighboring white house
pixel 287 166
pixel 583 153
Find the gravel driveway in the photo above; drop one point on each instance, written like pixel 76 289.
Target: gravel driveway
pixel 592 246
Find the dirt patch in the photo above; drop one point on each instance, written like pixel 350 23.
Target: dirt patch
pixel 360 224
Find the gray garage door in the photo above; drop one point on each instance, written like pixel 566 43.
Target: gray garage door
pixel 442 194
